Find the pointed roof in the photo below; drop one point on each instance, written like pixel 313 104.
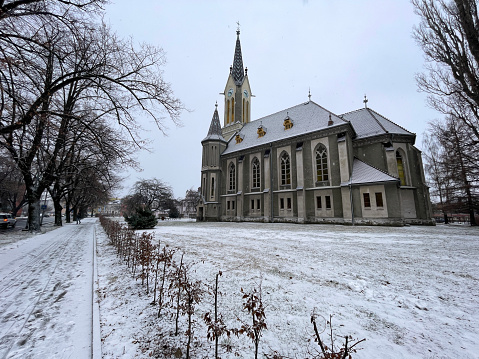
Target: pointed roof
pixel 366 174
pixel 367 123
pixel 238 71
pixel 214 133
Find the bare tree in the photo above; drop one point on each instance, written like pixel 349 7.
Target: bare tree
pixel 449 36
pixel 152 194
pixel 52 72
pixel 459 162
pixel 12 187
pixel 436 171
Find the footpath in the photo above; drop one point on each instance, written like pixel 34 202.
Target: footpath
pixel 48 304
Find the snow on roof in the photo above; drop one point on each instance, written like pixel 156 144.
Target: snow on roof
pixel 306 117
pixel 367 123
pixel 364 173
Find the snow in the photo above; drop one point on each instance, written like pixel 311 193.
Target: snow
pixel 411 291
pixel 46 294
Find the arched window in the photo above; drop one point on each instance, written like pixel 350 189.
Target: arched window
pixel 227 111
pixel 321 164
pixel 232 110
pixel 401 172
pixel 256 173
pixel 232 177
pixel 285 169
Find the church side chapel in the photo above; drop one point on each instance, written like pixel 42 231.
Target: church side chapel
pixel 306 164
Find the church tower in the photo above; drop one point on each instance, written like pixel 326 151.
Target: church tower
pixel 237 95
pixel 209 207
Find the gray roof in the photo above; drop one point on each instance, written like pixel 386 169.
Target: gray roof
pixel 364 174
pixel 307 117
pixel 214 133
pixel 367 123
pixel 238 71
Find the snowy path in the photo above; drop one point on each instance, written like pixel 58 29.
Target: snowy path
pixel 47 295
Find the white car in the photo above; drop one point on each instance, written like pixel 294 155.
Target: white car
pixel 7 220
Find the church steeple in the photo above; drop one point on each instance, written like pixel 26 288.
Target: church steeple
pixel 237 94
pixel 214 133
pixel 238 70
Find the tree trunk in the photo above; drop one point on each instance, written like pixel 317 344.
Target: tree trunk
pixel 33 213
pixel 58 212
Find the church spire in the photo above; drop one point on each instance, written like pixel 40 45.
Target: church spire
pixel 238 71
pixel 214 132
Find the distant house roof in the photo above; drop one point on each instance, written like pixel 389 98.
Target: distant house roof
pixel 306 118
pixel 364 174
pixel 367 123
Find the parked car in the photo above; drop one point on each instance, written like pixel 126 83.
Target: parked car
pixel 7 220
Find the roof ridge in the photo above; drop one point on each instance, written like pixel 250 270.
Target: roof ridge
pixel 372 112
pixel 387 119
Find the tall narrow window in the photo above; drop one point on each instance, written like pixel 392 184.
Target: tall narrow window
pixel 232 177
pixel 232 110
pixel 400 164
pixel 285 169
pixel 212 193
pixel 379 199
pixel 258 204
pixel 327 199
pixel 288 201
pixel 252 204
pixel 321 164
pixel 228 112
pixel 319 205
pixel 367 200
pixel 281 203
pixel 256 173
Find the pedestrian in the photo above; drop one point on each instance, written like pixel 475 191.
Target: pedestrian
pixel 78 219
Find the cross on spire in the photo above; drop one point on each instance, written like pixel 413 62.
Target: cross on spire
pixel 309 94
pixel 238 28
pixel 365 102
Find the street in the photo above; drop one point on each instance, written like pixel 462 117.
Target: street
pixel 47 303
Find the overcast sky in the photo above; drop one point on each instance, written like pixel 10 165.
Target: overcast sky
pixel 340 49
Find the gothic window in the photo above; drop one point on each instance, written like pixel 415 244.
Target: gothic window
pixel 321 164
pixel 228 112
pixel 256 173
pixel 285 169
pixel 232 177
pixel 232 110
pixel 400 164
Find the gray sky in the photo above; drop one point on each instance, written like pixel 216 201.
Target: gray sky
pixel 340 49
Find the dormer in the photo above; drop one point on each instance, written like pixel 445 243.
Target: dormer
pixel 261 131
pixel 239 138
pixel 287 123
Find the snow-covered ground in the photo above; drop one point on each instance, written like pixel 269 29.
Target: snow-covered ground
pixel 46 293
pixel 412 292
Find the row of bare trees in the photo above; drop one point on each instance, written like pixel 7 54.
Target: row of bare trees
pixel 71 93
pixel 177 294
pixel 448 34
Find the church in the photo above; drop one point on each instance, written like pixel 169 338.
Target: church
pixel 305 164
